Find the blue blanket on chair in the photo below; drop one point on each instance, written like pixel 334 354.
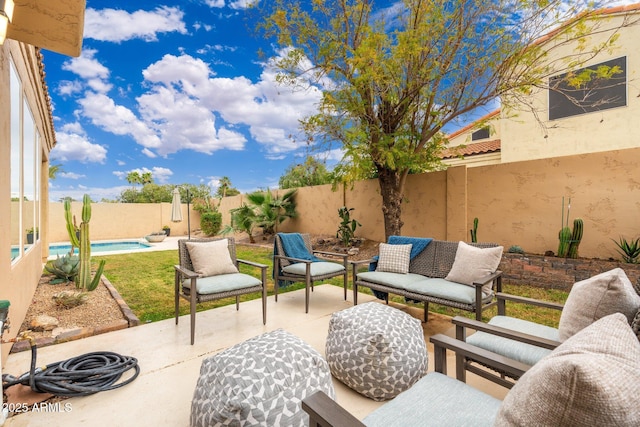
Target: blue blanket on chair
pixel 294 247
pixel 418 245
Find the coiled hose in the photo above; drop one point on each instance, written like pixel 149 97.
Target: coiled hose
pixel 83 375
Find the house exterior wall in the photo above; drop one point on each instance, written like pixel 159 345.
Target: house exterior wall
pixel 21 275
pixel 524 138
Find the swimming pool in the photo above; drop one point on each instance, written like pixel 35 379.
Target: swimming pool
pixel 61 249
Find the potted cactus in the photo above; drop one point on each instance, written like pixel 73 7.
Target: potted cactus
pixel 167 230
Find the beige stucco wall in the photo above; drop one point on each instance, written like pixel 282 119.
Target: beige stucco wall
pixel 523 137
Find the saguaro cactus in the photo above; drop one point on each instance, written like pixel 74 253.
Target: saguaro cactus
pixel 83 279
pixel 576 237
pixel 474 231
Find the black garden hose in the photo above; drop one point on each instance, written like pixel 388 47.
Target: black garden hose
pixel 83 375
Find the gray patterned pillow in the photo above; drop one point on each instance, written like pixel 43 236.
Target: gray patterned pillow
pixel 590 379
pixel 597 297
pixel 394 258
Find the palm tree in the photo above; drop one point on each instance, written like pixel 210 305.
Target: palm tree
pixel 54 170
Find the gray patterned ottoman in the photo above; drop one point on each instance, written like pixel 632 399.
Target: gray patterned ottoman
pixel 261 381
pixel 376 350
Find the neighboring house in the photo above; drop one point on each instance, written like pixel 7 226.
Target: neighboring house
pixel 607 121
pixel 26 138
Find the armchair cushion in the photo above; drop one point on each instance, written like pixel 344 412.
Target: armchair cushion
pixel 597 297
pixel 472 264
pixel 223 283
pixel 590 379
pixel 319 268
pixel 394 258
pixel 211 258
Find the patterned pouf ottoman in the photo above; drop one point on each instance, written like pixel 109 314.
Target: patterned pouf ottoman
pixel 376 350
pixel 261 381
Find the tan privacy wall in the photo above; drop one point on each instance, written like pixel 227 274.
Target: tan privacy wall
pixel 517 203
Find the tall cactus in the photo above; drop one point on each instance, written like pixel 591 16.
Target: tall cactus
pixel 564 236
pixel 474 231
pixel 83 279
pixel 576 237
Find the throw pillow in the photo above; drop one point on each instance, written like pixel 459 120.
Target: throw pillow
pixel 597 297
pixel 211 258
pixel 472 264
pixel 394 258
pixel 590 379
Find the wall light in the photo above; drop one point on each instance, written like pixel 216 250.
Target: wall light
pixel 6 15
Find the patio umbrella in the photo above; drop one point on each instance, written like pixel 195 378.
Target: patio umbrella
pixel 176 206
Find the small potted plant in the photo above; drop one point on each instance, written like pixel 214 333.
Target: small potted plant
pixel 167 230
pixel 155 237
pixel 30 233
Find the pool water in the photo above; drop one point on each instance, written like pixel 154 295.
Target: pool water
pixel 60 249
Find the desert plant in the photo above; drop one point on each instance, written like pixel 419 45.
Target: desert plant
pixel 515 249
pixel 474 231
pixel 69 299
pixel 630 250
pixel 210 222
pixel 243 219
pixel 65 268
pixel 83 279
pixel 347 228
pixel 569 239
pixel 271 211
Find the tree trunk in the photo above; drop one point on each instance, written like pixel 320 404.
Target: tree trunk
pixel 392 194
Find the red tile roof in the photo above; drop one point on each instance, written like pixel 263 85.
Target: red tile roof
pixel 472 149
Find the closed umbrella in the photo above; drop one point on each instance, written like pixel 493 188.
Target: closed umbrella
pixel 176 206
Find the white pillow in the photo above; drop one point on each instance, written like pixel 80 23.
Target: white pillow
pixel 211 258
pixel 472 264
pixel 596 297
pixel 394 258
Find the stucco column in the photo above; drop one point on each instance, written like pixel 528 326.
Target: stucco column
pixel 457 203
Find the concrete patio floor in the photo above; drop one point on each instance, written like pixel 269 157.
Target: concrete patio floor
pixel 161 395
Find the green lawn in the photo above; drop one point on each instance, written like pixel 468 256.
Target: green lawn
pixel 146 282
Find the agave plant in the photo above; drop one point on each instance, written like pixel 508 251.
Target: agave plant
pixel 65 268
pixel 630 250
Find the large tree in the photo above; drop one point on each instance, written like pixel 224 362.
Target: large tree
pixel 392 78
pixel 310 172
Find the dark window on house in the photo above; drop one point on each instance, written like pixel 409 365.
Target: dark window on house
pixel 480 134
pixel 597 94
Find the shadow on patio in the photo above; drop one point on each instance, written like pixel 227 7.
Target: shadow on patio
pixel 162 394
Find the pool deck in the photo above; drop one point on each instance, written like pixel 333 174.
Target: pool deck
pixel 168 243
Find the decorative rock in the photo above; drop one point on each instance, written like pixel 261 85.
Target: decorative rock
pixel 353 251
pixel 44 323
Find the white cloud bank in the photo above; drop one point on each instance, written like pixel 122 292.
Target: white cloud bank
pixel 116 25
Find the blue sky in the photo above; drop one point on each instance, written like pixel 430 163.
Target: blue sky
pixel 177 89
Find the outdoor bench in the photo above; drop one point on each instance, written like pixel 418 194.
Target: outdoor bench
pixel 431 272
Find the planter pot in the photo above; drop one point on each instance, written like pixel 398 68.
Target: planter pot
pixel 155 238
pixel 30 238
pixel 167 231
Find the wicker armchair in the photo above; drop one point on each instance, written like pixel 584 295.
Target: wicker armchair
pixel 214 287
pixel 288 269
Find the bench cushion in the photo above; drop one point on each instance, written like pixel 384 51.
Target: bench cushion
pixel 525 353
pixel 223 283
pixel 437 400
pixel 319 268
pixel 395 280
pixel 441 288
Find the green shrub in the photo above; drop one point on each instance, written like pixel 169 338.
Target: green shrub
pixel 211 222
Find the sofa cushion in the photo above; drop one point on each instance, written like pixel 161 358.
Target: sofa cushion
pixel 394 258
pixel 211 258
pixel 597 297
pixel 472 264
pixel 590 379
pixel 525 353
pixel 396 280
pixel 319 268
pixel 441 288
pixel 223 283
pixel 436 400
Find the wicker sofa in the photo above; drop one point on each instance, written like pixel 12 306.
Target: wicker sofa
pixel 426 279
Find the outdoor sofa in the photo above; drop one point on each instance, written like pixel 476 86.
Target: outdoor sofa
pixel 454 274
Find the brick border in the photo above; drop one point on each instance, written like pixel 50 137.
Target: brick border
pixel 557 273
pixel 130 320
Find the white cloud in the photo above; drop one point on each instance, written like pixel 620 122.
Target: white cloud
pixel 71 175
pixel 66 87
pixel 215 3
pixel 116 25
pixel 73 144
pixel 86 66
pixel 242 4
